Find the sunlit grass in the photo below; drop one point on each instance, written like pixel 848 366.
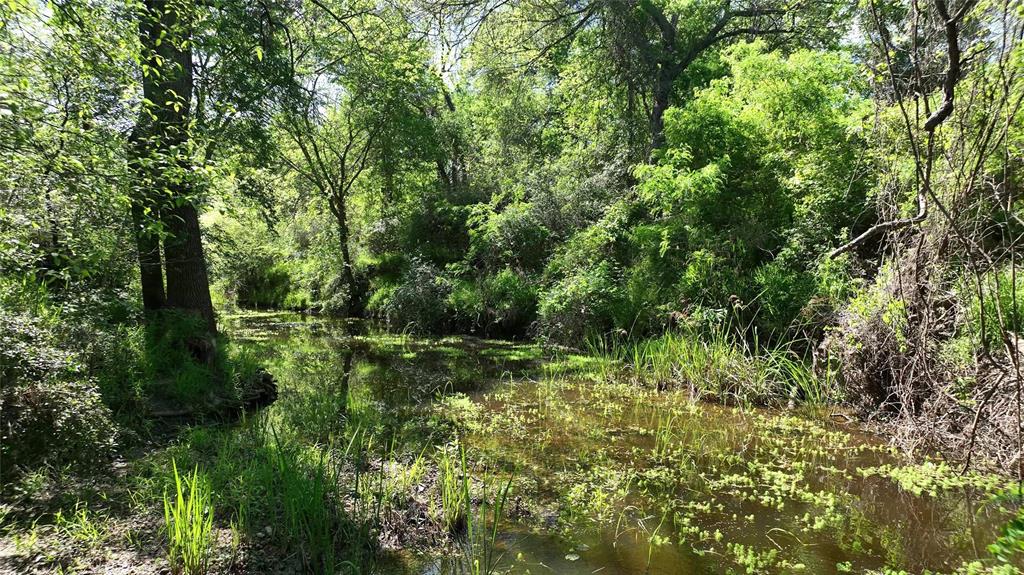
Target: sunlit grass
pixel 188 520
pixel 715 365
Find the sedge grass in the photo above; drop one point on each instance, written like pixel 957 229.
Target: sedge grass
pixel 188 520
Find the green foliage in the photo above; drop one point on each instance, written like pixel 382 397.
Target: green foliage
pixel 579 304
pixel 418 301
pixel 513 237
pixel 453 486
pixel 79 381
pixel 54 423
pixel 1011 542
pixel 188 521
pixel 715 363
pixel 51 408
pixel 995 307
pixel 509 301
pixel 248 267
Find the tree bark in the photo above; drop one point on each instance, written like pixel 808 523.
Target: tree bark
pixel 661 94
pixel 150 266
pixel 188 286
pixel 163 153
pixel 354 297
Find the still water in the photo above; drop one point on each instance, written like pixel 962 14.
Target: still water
pixel 613 478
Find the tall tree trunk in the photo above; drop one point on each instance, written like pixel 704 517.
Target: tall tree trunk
pixel 145 212
pixel 662 92
pixel 354 295
pixel 150 266
pixel 164 152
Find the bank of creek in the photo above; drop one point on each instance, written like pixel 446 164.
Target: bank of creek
pixel 379 444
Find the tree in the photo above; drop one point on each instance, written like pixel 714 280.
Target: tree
pixel 654 42
pixel 204 89
pixel 165 195
pixel 351 106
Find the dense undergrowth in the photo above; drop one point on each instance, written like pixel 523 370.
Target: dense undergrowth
pixel 85 378
pixel 771 160
pixel 760 203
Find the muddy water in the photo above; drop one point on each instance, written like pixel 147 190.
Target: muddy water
pixel 615 479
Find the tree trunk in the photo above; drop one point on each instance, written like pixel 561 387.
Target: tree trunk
pixel 188 287
pixel 662 92
pixel 150 266
pixel 145 212
pixel 164 148
pixel 354 298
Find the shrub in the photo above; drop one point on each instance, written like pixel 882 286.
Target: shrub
pixel 51 412
pixel 54 422
pixel 512 237
pixel 467 305
pixel 266 287
pixel 578 304
pixel 419 301
pixel 510 303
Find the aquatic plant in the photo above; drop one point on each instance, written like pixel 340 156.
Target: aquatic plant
pixel 453 489
pixel 664 435
pixel 480 546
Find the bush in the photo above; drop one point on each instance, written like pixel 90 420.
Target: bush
pixel 54 422
pixel 510 303
pixel 264 287
pixel 579 304
pixel 419 301
pixel 513 237
pixel 247 264
pixel 50 411
pixel 467 306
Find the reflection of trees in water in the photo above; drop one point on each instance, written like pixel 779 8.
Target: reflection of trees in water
pixel 341 390
pixel 315 389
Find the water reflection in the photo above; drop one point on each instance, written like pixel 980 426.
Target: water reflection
pixel 611 479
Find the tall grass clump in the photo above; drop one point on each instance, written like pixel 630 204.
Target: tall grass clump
pixel 313 523
pixel 480 551
pixel 475 528
pixel 664 435
pixel 800 379
pixel 719 365
pixel 188 519
pixel 453 487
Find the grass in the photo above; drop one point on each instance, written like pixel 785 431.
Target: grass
pixel 480 548
pixel 271 485
pixel 474 527
pixel 188 519
pixel 664 435
pixel 717 365
pixel 309 520
pixel 80 525
pixel 453 489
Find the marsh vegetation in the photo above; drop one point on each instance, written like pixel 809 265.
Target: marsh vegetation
pixel 511 286
pixel 403 454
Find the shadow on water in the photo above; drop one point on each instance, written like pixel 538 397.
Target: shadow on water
pixel 618 479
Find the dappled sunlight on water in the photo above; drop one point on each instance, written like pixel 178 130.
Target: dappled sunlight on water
pixel 614 478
